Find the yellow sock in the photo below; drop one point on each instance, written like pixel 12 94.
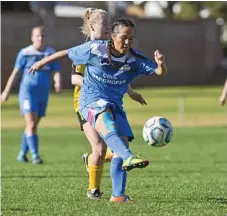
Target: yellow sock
pixel 108 156
pixel 95 174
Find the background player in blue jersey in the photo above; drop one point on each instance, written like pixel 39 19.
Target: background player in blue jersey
pixel 111 65
pixel 34 90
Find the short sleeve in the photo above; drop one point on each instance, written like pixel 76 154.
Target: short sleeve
pixel 55 66
pixel 20 61
pixel 147 67
pixel 80 54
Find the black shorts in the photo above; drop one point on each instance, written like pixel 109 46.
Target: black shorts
pixel 82 121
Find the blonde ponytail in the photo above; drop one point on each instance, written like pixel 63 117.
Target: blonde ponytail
pixel 89 18
pixel 84 28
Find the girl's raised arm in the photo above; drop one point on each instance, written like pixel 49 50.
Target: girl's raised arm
pixel 38 65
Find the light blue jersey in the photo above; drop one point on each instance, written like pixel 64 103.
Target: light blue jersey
pixel 105 84
pixel 34 89
pixel 103 80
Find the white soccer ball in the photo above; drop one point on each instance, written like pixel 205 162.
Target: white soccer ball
pixel 157 131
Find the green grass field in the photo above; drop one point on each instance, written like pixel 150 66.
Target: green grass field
pixel 187 177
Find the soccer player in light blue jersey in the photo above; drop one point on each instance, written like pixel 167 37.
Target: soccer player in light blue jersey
pixel 34 91
pixel 95 27
pixel 110 67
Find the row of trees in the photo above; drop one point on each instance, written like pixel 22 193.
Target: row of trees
pixel 197 10
pixel 192 10
pixel 189 10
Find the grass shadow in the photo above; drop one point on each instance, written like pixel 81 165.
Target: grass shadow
pixel 220 200
pixel 45 176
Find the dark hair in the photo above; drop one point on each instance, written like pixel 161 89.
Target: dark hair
pixel 121 22
pixel 114 30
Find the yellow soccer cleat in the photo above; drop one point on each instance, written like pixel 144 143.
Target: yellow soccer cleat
pixel 134 162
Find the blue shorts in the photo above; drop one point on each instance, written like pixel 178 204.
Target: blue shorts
pixel 32 104
pixel 91 111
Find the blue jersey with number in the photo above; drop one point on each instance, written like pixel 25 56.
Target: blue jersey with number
pixel 40 82
pixel 104 80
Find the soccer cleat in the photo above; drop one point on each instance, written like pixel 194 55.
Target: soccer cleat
pixel 94 194
pixel 85 160
pixel 38 160
pixel 134 162
pixel 23 159
pixel 121 199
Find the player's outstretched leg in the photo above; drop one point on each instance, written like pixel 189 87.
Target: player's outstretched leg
pixel 106 126
pixel 130 161
pixel 134 162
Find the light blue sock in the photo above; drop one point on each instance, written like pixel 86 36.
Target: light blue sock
pixel 118 177
pixel 117 145
pixel 24 145
pixel 33 145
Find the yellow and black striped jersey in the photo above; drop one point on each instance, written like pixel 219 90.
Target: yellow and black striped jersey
pixel 77 70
